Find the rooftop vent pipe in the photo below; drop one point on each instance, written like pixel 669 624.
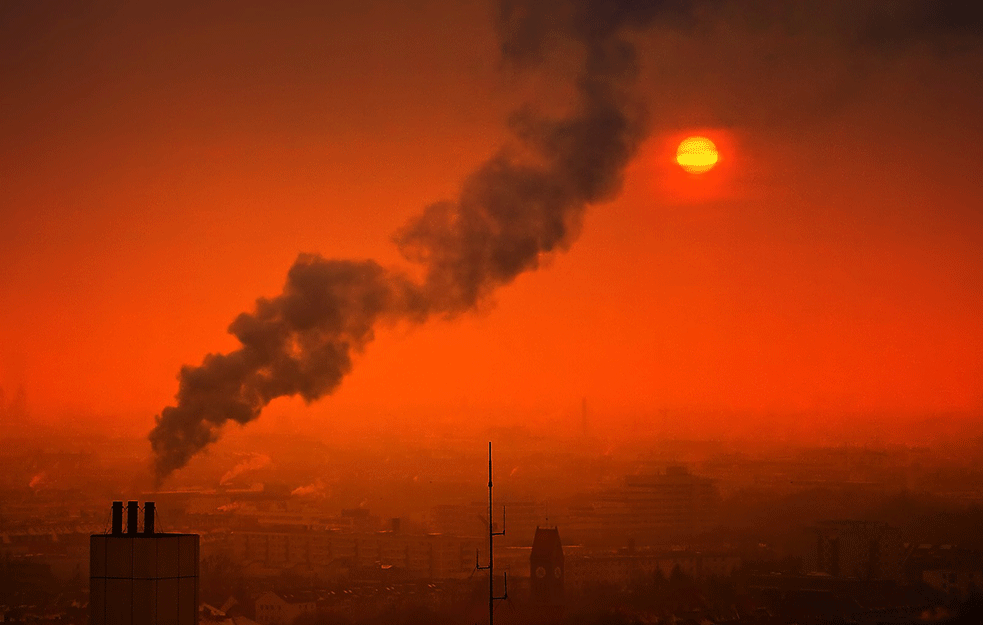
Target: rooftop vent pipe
pixel 132 516
pixel 149 512
pixel 117 517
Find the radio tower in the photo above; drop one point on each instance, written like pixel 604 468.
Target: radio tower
pixel 491 550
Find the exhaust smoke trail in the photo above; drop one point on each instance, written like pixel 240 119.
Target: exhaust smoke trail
pixel 253 463
pixel 508 213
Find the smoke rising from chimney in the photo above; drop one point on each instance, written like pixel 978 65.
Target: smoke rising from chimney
pixel 314 489
pixel 509 212
pixel 253 462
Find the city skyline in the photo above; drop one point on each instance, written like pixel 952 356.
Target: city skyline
pixel 276 278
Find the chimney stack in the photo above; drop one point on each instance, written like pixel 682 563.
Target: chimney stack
pixel 117 517
pixel 149 511
pixel 132 516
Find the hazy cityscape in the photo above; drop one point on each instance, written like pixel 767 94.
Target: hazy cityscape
pixel 652 529
pixel 517 312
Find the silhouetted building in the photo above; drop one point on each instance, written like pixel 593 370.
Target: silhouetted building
pixel 547 569
pixel 266 553
pixel 856 549
pixel 142 577
pixel 952 569
pixel 621 569
pixel 652 509
pixel 675 502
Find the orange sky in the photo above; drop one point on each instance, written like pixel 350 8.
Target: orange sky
pixel 160 172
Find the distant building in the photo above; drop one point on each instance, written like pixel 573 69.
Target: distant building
pixel 960 584
pixel 142 577
pixel 457 520
pixel 547 569
pixel 430 556
pixel 469 520
pixel 676 502
pixel 621 569
pixel 952 569
pixel 210 615
pixel 282 608
pixel 857 550
pixel 651 509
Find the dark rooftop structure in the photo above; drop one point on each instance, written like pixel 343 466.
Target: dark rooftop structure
pixel 546 567
pixel 142 576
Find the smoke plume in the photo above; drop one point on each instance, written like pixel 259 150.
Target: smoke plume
pixel 253 462
pixel 315 489
pixel 38 480
pixel 518 206
pixel 525 202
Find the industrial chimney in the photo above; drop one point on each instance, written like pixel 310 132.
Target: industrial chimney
pixel 117 517
pixel 132 516
pixel 149 512
pixel 138 577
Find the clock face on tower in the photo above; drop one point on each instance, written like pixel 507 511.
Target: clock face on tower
pixel 557 572
pixel 540 572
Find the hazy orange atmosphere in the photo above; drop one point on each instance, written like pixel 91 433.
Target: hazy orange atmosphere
pixel 162 167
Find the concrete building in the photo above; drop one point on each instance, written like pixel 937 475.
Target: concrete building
pixel 282 609
pixel 952 569
pixel 651 509
pixel 142 577
pixel 675 502
pixel 429 556
pixel 960 584
pixel 856 549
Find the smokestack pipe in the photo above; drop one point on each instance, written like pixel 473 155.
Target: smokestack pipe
pixel 117 517
pixel 149 510
pixel 132 516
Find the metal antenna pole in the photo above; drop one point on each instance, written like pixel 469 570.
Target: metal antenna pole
pixel 491 550
pixel 491 546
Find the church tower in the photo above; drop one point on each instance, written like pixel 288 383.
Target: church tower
pixel 546 570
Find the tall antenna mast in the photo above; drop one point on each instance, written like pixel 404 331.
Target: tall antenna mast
pixel 491 550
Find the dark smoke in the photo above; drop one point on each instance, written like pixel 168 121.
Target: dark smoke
pixel 509 212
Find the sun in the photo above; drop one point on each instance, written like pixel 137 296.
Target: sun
pixel 696 155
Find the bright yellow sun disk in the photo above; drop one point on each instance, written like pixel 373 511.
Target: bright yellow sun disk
pixel 696 155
